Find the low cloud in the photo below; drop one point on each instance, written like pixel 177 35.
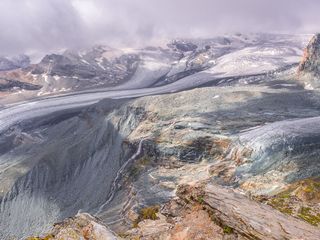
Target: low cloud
pixel 38 25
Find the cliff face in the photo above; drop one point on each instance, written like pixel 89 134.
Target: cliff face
pixel 309 67
pixel 311 57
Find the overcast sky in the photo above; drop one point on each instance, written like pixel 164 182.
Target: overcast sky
pixel 44 25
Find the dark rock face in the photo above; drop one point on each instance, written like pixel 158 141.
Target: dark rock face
pixel 8 85
pixel 183 46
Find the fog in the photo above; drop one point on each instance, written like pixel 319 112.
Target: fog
pixel 46 25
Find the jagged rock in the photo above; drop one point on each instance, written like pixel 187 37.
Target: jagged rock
pixel 247 217
pixel 309 68
pixel 196 224
pixel 179 221
pixel 82 226
pixel 311 57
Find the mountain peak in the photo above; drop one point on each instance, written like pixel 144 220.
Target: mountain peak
pixel 310 63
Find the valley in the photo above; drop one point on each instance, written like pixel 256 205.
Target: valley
pixel 137 143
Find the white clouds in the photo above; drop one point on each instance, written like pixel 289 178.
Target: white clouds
pixel 89 12
pixel 51 24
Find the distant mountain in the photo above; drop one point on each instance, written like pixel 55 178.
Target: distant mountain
pixel 96 66
pixel 182 62
pixel 10 63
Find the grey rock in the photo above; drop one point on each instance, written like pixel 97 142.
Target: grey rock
pixel 10 63
pixel 248 218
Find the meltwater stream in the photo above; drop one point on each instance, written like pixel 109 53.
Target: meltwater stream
pixel 115 182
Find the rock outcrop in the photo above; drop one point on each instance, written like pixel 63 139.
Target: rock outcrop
pixel 82 226
pixel 309 68
pixel 311 57
pixel 249 218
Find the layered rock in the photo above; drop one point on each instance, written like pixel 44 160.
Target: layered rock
pixel 250 219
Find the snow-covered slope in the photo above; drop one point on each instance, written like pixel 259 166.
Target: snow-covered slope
pixel 182 60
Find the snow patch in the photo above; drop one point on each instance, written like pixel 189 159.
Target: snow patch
pixel 84 61
pixel 308 86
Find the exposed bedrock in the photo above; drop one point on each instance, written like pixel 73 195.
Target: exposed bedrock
pixel 250 219
pixel 54 166
pixel 81 226
pixel 309 68
pixel 210 140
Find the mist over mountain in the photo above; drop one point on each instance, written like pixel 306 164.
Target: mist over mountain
pixel 41 26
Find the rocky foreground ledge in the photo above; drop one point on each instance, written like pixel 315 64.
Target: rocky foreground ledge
pixel 248 218
pixel 204 211
pixel 82 226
